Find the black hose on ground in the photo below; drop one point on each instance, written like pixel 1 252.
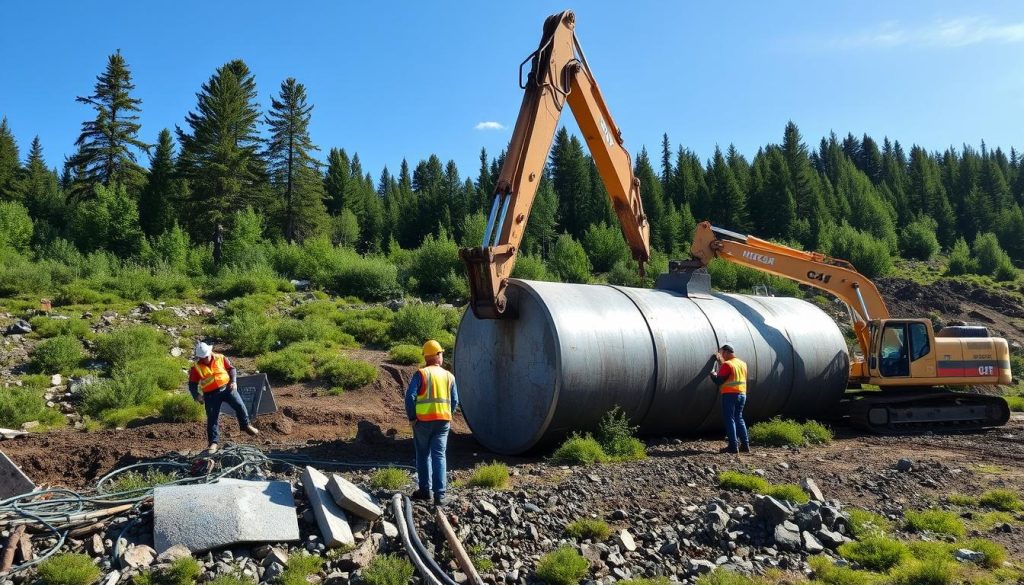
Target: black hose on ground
pixel 422 550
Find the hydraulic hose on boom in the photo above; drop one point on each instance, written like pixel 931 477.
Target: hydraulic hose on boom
pixel 559 74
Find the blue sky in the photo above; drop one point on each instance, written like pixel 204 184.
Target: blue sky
pixel 406 79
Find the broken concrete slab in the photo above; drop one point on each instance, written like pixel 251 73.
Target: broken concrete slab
pixel 13 481
pixel 11 434
pixel 329 516
pixel 206 516
pixel 353 499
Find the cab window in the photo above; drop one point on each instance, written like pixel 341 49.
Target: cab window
pixel 919 341
pixel 893 352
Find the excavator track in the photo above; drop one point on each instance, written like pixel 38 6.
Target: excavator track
pixel 909 411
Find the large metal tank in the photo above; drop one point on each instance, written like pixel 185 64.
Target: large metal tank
pixel 574 352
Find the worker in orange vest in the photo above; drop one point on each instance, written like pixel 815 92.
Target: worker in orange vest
pixel 730 373
pixel 212 381
pixel 430 400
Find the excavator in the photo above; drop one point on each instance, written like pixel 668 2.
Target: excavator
pixel 905 358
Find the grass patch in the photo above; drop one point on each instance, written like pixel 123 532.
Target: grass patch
pixel 779 432
pixel 994 552
pixel 735 480
pixel 493 475
pixel 183 571
pixel 589 528
pixel 388 570
pixel 57 355
pixel 1016 403
pixel 1004 500
pixel 129 344
pixel 937 521
pixel 876 553
pixel 865 524
pixel 52 327
pixel 300 567
pixel 724 577
pixel 406 355
pixel 308 360
pixel 788 491
pixel 164 318
pixel 646 581
pixel 989 520
pixel 930 550
pixel 962 500
pixel 825 571
pixel 180 408
pixel 231 580
pixel 479 558
pixel 915 572
pixel 580 450
pixel 22 405
pixel 389 478
pixel 314 328
pixel 68 569
pixel 134 481
pixel 563 566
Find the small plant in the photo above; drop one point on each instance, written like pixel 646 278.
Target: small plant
pixel 994 552
pixel 417 323
pixel 615 435
pixel 69 569
pixel 300 567
pixel 166 372
pixel 181 408
pixel 989 520
pixel 250 333
pixel 788 491
pixel 734 480
pixel 52 327
pixel 930 550
pixel 645 581
pixel 937 521
pixel 962 500
pixel 22 405
pixel 494 475
pixel 816 433
pixel 164 318
pixel 724 577
pixel 1004 500
pixel 876 553
pixel 864 524
pixel 1016 403
pixel 130 343
pixel 231 580
pixel 133 481
pixel 406 355
pixel 389 478
pixel 825 571
pixel 915 572
pixel 479 558
pixel 784 433
pixel 183 571
pixel 57 355
pixel 348 374
pixel 580 450
pixel 388 570
pixel 564 566
pixel 589 528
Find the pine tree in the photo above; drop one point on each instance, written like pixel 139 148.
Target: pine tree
pixel 927 195
pixel 653 199
pixel 158 201
pixel 666 166
pixel 294 171
pixel 41 193
pixel 339 171
pixel 730 206
pixel 220 152
pixel 484 185
pixel 688 182
pixel 805 186
pixel 570 175
pixel 771 203
pixel 10 164
pixel 542 225
pixel 108 143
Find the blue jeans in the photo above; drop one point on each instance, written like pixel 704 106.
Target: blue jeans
pixel 212 402
pixel 431 439
pixel 732 415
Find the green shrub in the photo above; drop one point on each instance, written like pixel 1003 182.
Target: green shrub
pixel 406 355
pixel 531 268
pixel 1016 403
pixel 925 550
pixel 294 363
pixel 937 521
pixel 388 570
pixel 915 572
pixel 311 329
pixel 780 432
pixel 417 323
pixel 164 318
pixel 389 478
pixel 989 254
pixel 564 566
pixel 1005 500
pixel 962 500
pixel 960 261
pixel 435 260
pixel 569 260
pixel 56 355
pixel 816 433
pixel 876 553
pixel 121 391
pixel 183 571
pixel 868 253
pixel 22 405
pixel 299 567
pixel 68 569
pixel 787 491
pixel 237 282
pixel 52 327
pixel 825 571
pixel 494 475
pixel 129 344
pixel 864 523
pixel 181 408
pixel 80 293
pixel 258 303
pixel 165 371
pixel 231 580
pixel 734 480
pixel 368 331
pixel 615 435
pixel 580 450
pixel 994 552
pixel 605 246
pixel 369 278
pixel 589 528
pixel 250 333
pixel 348 374
pixel 918 240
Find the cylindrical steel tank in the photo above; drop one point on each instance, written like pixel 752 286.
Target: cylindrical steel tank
pixel 574 352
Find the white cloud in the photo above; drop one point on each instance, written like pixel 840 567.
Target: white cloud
pixel 956 32
pixel 489 126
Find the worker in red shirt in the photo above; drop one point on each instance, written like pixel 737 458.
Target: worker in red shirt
pixel 212 381
pixel 730 373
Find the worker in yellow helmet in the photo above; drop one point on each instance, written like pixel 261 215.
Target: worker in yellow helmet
pixel 730 374
pixel 430 400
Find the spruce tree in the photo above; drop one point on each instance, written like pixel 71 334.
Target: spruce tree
pixel 41 193
pixel 484 186
pixel 220 150
pixel 158 201
pixel 805 186
pixel 570 176
pixel 653 199
pixel 771 203
pixel 10 164
pixel 729 201
pixel 108 143
pixel 294 171
pixel 339 171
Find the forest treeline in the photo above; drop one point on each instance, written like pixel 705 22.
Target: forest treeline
pixel 154 198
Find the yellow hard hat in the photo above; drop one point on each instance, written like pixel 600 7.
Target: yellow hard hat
pixel 431 348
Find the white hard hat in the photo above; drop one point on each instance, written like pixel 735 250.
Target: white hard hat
pixel 202 350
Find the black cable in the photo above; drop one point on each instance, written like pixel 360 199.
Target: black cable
pixel 422 550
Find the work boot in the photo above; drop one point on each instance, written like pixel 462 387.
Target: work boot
pixel 251 430
pixel 212 448
pixel 440 500
pixel 421 495
pixel 745 448
pixel 728 450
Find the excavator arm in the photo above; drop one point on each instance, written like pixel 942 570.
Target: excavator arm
pixel 831 275
pixel 559 74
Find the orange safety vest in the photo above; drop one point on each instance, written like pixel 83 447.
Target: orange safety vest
pixel 737 380
pixel 214 375
pixel 434 400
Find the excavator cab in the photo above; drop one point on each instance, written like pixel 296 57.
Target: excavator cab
pixel 902 348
